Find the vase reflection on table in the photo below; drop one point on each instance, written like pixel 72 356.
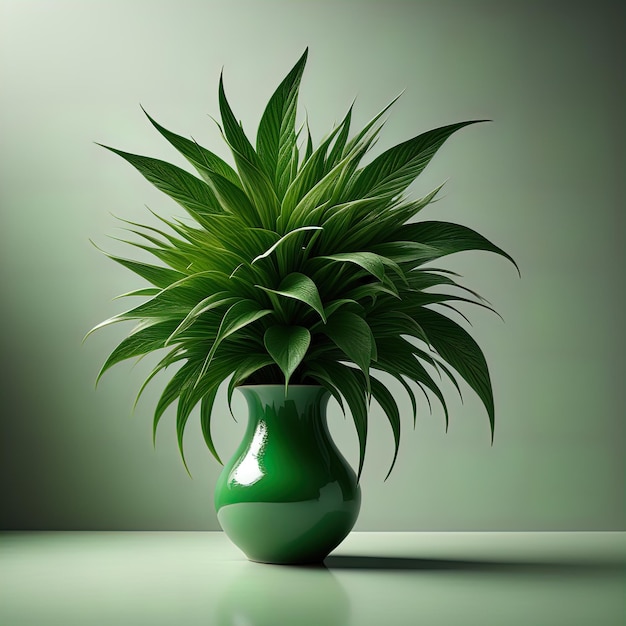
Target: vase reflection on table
pixel 258 597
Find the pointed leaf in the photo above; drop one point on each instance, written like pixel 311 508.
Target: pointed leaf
pixel 337 152
pixel 208 389
pixel 351 333
pixel 352 386
pixel 201 158
pixel 207 304
pixel 255 181
pixel 394 170
pixel 190 192
pixel 287 345
pixel 144 339
pixel 146 292
pixel 248 366
pixel 276 137
pixel 407 252
pixel 233 131
pixel 282 240
pixel 369 261
pixel 448 238
pixel 460 350
pixel 206 409
pixel 396 356
pixel 159 276
pixel 388 404
pixel 361 136
pixel 238 316
pixel 233 199
pixel 173 389
pixel 309 175
pixel 300 287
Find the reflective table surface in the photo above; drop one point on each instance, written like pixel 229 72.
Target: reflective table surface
pixel 383 579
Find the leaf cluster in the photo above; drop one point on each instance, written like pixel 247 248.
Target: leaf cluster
pixel 300 266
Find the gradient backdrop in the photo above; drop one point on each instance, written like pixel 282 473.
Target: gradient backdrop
pixel 545 181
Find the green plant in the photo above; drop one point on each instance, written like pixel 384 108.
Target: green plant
pixel 300 267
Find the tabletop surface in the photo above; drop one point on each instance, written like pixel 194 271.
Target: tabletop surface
pixel 386 579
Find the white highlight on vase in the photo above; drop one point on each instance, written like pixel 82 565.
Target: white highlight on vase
pixel 249 470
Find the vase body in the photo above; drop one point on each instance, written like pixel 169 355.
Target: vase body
pixel 287 495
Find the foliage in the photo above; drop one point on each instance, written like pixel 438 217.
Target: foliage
pixel 300 267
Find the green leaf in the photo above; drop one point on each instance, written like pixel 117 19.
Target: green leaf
pixel 204 306
pixel 235 238
pixel 282 241
pixel 370 262
pixel 344 223
pixel 365 131
pixel 394 170
pixel 352 386
pixel 173 356
pixel 144 339
pixel 407 252
pixel 248 366
pixel 448 238
pixel 203 391
pixel 183 377
pixel 309 143
pixel 323 380
pixel 335 305
pixel 371 291
pixel 337 152
pixel 146 292
pixel 190 192
pixel 202 159
pixel 299 287
pixel 276 137
pixel 238 316
pixel 395 356
pixel 206 409
pixel 208 388
pixel 251 171
pixel 233 199
pixel 176 300
pixel 319 191
pixel 287 345
pixel 193 288
pixel 460 350
pixel 398 214
pixel 351 334
pixel 158 276
pixel 388 404
pixel 233 130
pixel 310 174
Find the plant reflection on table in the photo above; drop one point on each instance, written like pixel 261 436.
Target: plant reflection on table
pixel 272 596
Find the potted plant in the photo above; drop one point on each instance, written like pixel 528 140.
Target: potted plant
pixel 300 276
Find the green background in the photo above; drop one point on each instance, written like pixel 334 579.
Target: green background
pixel 544 181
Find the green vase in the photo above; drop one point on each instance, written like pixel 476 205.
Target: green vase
pixel 287 495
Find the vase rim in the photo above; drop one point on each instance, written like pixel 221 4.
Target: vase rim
pixel 281 386
pixel 279 391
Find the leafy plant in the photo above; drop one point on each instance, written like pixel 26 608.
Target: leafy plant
pixel 300 267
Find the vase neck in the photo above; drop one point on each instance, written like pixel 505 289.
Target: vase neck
pixel 300 402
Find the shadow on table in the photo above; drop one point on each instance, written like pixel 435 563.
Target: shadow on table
pixel 393 563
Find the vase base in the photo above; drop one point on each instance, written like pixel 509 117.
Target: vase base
pixel 286 533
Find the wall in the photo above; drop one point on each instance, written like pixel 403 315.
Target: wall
pixel 544 181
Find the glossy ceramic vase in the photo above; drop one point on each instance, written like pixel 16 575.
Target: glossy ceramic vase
pixel 287 495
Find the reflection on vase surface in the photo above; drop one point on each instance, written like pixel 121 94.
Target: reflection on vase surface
pixel 287 495
pixel 267 596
